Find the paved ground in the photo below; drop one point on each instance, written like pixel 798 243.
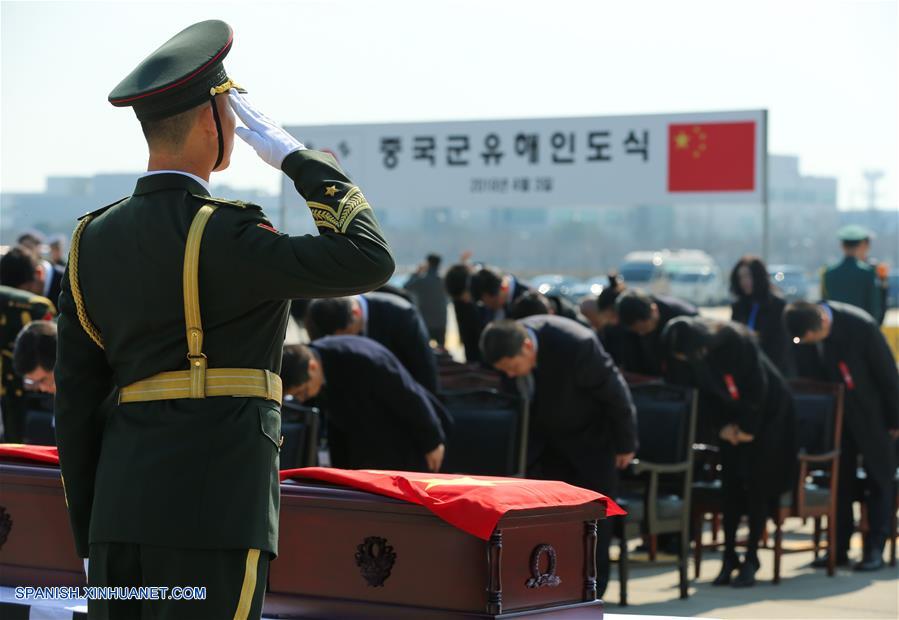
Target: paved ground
pixel 804 592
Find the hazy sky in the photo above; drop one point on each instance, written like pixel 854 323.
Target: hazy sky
pixel 825 69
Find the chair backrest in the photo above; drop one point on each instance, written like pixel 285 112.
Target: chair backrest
pixel 487 435
pixel 819 415
pixel 468 378
pixel 666 422
pixel 300 427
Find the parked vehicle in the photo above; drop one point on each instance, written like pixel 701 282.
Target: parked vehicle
pixel 790 280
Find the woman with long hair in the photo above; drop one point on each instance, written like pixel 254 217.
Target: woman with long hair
pixel 747 400
pixel 759 306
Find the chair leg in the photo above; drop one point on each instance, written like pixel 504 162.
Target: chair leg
pixel 778 547
pixel 831 544
pixel 623 565
pixel 816 537
pixel 893 526
pixel 716 526
pixel 653 547
pixel 698 519
pixel 764 541
pixel 684 555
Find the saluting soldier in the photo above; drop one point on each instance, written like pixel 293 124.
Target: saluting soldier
pixel 18 308
pixel 854 280
pixel 178 484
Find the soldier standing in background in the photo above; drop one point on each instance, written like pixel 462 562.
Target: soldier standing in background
pixel 854 280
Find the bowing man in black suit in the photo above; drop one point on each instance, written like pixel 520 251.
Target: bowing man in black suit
pixel 644 316
pixel 497 291
pixel 378 416
pixel 384 317
pixel 840 343
pixel 583 421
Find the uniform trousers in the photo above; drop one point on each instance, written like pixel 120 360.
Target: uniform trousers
pixel 235 581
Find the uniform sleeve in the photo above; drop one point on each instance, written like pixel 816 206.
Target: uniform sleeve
pixel 83 381
pixel 595 371
pixel 349 256
pixel 875 300
pixel 407 401
pixel 882 367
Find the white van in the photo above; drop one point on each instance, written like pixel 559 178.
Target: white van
pixel 691 275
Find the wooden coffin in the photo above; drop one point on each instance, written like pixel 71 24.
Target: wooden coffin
pixel 36 544
pixel 351 554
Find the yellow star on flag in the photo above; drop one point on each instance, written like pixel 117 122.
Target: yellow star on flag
pixel 464 481
pixel 682 140
pixel 331 191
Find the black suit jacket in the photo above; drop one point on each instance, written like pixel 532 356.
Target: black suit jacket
pixel 378 416
pixel 871 404
pixel 582 413
pixel 397 324
pixel 769 326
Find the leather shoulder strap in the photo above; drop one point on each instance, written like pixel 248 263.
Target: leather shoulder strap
pixel 192 319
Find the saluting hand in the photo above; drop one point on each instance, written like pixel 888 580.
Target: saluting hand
pixel 270 141
pixel 434 458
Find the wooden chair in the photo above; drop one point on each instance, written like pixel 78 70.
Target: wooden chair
pixel 489 435
pixel 657 497
pixel 706 499
pixel 300 428
pixel 819 414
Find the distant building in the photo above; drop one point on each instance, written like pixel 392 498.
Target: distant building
pixel 66 198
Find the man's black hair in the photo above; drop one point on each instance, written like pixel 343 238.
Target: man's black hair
pixel 502 339
pixel 325 317
pixel 35 346
pixel 487 281
pixel 531 303
pixel 608 295
pixel 802 317
pixel 170 132
pixel 18 267
pixel 457 280
pixel 295 365
pixel 632 306
pixel 433 261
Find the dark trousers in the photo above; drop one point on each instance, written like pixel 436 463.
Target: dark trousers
pixel 879 500
pixel 604 479
pixel 740 497
pixel 234 579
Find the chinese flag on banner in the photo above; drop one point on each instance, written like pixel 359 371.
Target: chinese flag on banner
pixel 29 453
pixel 711 157
pixel 473 504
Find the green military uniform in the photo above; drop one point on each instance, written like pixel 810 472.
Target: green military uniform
pixel 183 469
pixel 853 281
pixel 18 308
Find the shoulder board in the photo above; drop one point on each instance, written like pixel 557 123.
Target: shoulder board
pixel 37 300
pixel 102 209
pixel 240 204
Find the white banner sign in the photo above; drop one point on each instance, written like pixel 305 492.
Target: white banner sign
pixel 604 160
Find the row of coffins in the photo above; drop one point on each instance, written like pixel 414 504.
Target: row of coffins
pixel 365 544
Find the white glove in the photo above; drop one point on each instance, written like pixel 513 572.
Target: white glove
pixel 269 140
pixel 85 569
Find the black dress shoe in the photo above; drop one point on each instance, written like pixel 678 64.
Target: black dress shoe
pixel 746 577
pixel 875 562
pixel 842 560
pixel 728 566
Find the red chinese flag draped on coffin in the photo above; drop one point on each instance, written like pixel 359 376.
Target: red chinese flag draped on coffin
pixel 473 504
pixel 29 453
pixel 711 157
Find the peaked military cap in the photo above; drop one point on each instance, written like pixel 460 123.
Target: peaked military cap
pixel 184 72
pixel 854 232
